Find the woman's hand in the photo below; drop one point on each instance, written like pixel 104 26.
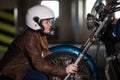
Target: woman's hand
pixel 71 68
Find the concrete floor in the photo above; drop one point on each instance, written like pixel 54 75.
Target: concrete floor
pixel 99 61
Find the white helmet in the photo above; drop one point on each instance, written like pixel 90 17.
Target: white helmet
pixel 36 14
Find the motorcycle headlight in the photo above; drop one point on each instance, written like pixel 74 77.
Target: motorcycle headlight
pixel 90 22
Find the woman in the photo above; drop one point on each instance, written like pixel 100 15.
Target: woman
pixel 24 59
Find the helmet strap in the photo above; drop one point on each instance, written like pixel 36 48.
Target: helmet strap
pixel 42 33
pixel 42 28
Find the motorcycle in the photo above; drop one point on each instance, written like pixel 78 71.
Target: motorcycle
pixel 65 54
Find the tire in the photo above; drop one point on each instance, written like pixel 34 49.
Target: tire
pixel 63 59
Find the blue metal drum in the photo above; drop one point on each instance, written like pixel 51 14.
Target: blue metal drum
pixel 117 29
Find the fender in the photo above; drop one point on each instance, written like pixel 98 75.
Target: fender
pixel 77 51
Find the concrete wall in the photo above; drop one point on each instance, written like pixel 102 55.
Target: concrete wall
pixel 71 24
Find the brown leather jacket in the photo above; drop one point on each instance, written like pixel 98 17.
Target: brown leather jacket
pixel 25 53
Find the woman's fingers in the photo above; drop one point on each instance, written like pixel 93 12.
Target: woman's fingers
pixel 72 68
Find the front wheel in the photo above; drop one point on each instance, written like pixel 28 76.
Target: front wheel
pixel 63 59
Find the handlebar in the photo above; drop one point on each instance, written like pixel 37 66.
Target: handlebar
pixel 111 7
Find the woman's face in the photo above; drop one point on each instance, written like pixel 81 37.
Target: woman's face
pixel 47 25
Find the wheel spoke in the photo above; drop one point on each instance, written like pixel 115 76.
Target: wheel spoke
pixel 63 60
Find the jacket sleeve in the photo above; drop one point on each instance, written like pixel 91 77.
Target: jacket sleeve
pixel 33 49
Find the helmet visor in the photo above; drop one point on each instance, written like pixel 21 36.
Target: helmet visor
pixel 52 22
